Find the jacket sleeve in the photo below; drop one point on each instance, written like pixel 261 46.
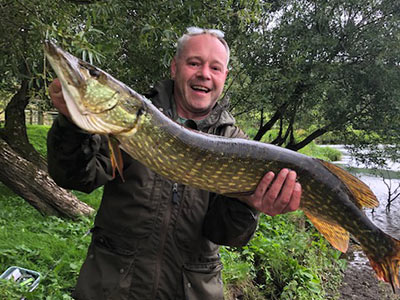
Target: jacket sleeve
pixel 229 221
pixel 76 159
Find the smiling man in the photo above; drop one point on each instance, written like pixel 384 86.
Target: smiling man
pixel 199 70
pixel 154 238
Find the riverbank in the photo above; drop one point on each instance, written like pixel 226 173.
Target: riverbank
pixel 360 282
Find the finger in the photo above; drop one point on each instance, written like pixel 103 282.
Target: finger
pixel 256 199
pixel 285 194
pixel 263 185
pixel 294 203
pixel 262 188
pixel 276 186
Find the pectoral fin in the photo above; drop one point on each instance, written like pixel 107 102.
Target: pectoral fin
pixel 116 156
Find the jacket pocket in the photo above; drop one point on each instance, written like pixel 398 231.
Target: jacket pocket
pixel 106 272
pixel 203 281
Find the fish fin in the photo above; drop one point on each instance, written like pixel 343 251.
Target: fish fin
pixel 362 194
pixel 335 234
pixel 116 157
pixel 387 267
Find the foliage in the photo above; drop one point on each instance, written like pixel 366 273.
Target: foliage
pixel 326 153
pixel 280 260
pixel 294 64
pixel 314 64
pixel 283 261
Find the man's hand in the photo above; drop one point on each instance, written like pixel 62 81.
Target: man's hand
pixel 276 196
pixel 56 96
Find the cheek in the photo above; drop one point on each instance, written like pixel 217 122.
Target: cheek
pixel 219 83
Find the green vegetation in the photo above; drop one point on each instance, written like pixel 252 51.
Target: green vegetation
pixel 37 135
pixel 326 153
pixel 286 259
pixel 52 246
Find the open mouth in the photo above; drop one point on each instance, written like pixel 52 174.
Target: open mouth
pixel 200 88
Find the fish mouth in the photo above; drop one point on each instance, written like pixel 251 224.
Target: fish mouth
pixel 76 76
pixel 64 64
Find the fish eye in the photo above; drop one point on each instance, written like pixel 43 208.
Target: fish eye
pixel 94 72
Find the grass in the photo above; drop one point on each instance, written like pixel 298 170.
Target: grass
pixel 286 259
pixel 52 246
pixel 325 153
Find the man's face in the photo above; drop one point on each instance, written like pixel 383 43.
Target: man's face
pixel 199 73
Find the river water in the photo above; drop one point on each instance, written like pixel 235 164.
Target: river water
pixel 387 221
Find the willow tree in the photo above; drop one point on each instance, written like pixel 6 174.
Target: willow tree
pixel 23 26
pixel 323 66
pixel 133 40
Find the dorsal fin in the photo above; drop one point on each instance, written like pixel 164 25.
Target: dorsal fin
pixel 362 194
pixel 335 234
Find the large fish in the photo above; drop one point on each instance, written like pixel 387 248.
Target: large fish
pixel 332 198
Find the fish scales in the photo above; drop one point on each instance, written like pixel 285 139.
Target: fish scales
pixel 332 198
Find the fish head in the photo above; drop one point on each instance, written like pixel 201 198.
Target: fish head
pixel 97 102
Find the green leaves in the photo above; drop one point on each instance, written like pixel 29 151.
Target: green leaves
pixel 284 261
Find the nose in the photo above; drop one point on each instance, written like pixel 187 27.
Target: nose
pixel 204 72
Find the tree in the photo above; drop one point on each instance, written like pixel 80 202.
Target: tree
pixel 134 41
pixel 22 28
pixel 294 64
pixel 315 65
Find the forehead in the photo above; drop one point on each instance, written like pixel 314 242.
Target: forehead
pixel 206 47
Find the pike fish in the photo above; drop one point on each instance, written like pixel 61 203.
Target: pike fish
pixel 332 198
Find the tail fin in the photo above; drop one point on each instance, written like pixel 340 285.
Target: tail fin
pixel 387 267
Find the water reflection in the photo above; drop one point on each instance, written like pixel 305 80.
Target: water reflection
pixel 387 221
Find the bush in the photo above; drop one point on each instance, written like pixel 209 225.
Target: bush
pixel 284 260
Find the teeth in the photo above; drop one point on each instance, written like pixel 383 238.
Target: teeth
pixel 201 88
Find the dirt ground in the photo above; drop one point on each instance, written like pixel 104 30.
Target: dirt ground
pixel 360 282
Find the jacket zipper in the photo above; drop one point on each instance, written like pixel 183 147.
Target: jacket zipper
pixel 175 195
pixel 166 220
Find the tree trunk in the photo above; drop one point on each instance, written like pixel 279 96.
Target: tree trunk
pixel 14 131
pixel 23 169
pixel 36 187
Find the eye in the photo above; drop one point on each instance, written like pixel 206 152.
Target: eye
pixel 216 68
pixel 193 63
pixel 94 72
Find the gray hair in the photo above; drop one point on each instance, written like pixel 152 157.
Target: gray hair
pixel 193 31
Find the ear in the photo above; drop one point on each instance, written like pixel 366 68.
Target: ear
pixel 226 73
pixel 173 68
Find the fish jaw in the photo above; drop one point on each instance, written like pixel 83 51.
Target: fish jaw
pixel 92 96
pixel 66 67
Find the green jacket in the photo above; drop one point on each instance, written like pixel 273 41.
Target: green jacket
pixel 153 238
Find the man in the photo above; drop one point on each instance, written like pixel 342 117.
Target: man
pixel 153 238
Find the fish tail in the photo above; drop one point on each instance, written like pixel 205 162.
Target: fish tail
pixel 387 267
